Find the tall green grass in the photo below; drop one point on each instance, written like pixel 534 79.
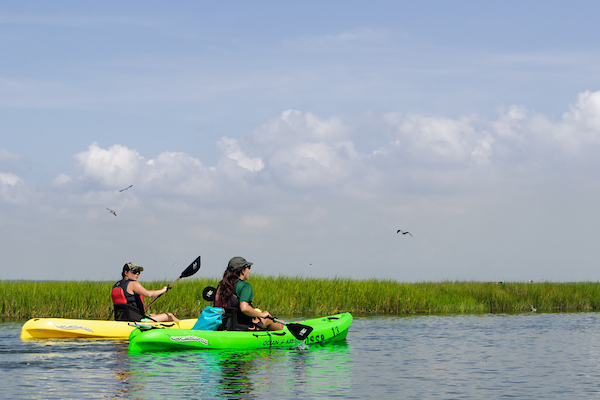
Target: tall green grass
pixel 306 297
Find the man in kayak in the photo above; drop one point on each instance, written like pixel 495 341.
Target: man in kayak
pixel 128 297
pixel 234 294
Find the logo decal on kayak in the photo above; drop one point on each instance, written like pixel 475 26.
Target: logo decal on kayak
pixel 70 327
pixel 185 339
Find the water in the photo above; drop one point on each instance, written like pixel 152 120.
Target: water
pixel 526 356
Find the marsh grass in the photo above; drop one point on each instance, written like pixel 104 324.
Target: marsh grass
pixel 307 297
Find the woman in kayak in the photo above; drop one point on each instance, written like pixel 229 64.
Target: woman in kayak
pixel 128 297
pixel 234 293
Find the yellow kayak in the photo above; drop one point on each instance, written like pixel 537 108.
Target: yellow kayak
pixel 45 328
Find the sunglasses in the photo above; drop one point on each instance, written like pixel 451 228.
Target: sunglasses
pixel 135 271
pixel 249 266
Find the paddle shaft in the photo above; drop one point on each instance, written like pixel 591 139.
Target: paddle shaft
pixel 156 298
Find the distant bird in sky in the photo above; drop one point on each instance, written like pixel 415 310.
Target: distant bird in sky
pixel 122 190
pixel 404 233
pixel 112 212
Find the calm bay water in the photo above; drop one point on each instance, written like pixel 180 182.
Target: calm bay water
pixel 525 356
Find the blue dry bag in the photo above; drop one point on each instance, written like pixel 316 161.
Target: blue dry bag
pixel 210 319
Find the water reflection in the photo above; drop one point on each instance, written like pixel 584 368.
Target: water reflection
pixel 236 374
pixel 57 368
pixel 125 385
pixel 236 369
pixel 319 369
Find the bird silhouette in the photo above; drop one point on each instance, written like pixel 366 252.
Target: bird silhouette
pixel 112 212
pixel 404 233
pixel 122 190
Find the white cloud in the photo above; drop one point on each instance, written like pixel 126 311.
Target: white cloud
pixel 115 166
pixel 292 128
pixel 7 156
pixel 316 163
pixel 304 149
pixel 170 173
pixel 61 180
pixel 307 152
pixel 432 139
pixel 232 150
pixel 581 125
pixel 11 188
pixel 482 153
pixel 510 123
pixel 177 173
pixel 9 179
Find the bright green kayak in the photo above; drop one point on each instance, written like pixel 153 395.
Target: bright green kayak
pixel 325 329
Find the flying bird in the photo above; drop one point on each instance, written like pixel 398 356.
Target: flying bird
pixel 112 212
pixel 122 190
pixel 404 233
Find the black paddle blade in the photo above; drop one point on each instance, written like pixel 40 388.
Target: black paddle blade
pixel 299 331
pixel 192 269
pixel 209 293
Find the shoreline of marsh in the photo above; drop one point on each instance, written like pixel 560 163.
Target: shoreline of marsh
pixel 307 297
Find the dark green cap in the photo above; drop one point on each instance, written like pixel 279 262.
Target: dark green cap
pixel 132 267
pixel 238 262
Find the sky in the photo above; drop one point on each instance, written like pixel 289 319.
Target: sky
pixel 301 136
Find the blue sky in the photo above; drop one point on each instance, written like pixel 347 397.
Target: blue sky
pixel 301 136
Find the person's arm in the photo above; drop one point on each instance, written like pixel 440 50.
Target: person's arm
pixel 137 288
pixel 251 311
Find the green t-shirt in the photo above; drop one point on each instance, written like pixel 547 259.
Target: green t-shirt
pixel 243 290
